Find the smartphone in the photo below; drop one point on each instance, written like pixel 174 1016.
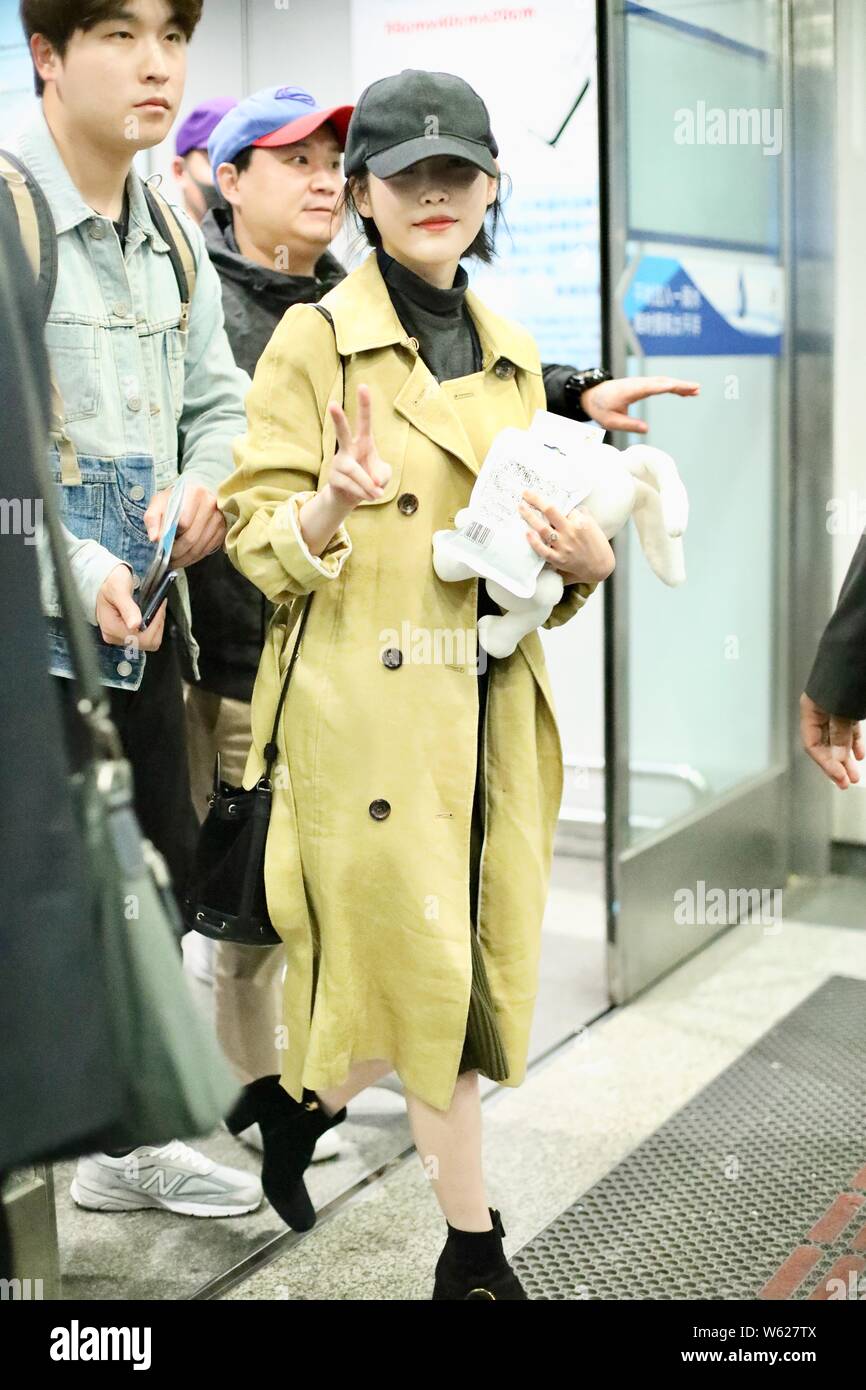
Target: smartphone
pixel 157 598
pixel 154 586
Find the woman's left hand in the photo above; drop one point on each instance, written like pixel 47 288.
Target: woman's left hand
pixel 580 551
pixel 608 402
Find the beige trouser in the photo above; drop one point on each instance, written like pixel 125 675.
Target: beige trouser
pixel 247 979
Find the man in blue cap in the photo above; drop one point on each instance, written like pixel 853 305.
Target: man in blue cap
pixel 191 166
pixel 276 156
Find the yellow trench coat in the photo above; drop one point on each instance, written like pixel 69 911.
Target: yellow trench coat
pixel 367 860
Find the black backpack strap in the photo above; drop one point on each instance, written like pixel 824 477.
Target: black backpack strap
pixel 35 222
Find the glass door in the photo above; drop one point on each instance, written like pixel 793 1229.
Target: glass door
pixel 695 145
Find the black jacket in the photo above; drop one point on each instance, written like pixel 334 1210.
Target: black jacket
pixel 838 679
pixel 229 614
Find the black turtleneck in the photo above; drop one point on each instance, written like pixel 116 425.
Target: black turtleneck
pixel 439 319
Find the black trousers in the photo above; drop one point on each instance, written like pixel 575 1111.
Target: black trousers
pixel 150 722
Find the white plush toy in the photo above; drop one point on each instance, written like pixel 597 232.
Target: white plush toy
pixel 641 482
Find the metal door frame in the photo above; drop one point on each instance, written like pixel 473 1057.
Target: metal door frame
pixel 778 821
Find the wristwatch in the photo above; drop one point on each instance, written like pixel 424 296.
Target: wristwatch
pixel 579 382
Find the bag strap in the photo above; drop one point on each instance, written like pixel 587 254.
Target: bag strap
pixel 271 747
pixel 180 251
pixel 39 237
pixel 326 315
pixel 36 224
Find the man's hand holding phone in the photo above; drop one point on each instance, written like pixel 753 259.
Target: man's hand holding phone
pixel 201 526
pixel 119 616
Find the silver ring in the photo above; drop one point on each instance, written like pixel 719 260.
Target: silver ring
pixel 552 538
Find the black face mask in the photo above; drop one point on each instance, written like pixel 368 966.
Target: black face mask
pixel 211 194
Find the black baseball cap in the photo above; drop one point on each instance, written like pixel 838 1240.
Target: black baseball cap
pixel 402 119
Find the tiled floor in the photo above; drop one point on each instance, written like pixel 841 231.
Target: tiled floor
pixel 575 1117
pixel 154 1254
pixel 580 1110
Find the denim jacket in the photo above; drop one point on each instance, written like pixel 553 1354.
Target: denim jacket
pixel 131 378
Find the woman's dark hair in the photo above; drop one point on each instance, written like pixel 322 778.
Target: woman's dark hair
pixel 482 248
pixel 58 20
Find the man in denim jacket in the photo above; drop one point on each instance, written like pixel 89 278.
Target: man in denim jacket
pixel 132 375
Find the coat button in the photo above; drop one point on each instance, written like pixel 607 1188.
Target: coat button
pixel 504 369
pixel 137 492
pixel 408 503
pixel 392 657
pixel 96 231
pixel 380 809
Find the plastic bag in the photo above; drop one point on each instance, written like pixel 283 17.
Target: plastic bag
pixel 556 458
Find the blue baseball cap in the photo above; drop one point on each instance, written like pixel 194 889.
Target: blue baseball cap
pixel 273 117
pixel 201 123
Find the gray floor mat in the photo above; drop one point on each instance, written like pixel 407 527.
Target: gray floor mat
pixel 755 1188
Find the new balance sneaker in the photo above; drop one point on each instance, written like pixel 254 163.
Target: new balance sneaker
pixel 174 1177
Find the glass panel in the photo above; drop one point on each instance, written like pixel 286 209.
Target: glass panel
pixel 701 657
pixel 705 132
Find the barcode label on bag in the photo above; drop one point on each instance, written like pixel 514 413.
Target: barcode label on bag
pixel 481 535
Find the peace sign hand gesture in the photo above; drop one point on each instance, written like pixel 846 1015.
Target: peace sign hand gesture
pixel 358 474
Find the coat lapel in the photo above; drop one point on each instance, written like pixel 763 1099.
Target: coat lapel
pixel 364 320
pixel 430 409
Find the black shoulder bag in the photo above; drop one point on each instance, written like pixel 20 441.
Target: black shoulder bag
pixel 226 897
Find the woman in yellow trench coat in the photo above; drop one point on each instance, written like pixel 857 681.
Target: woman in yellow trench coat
pixel 367 866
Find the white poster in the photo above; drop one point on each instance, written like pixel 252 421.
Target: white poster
pixel 535 67
pixel 17 95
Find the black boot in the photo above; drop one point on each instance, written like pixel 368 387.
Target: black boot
pixel 473 1265
pixel 290 1130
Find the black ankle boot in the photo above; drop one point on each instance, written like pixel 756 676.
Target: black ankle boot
pixel 290 1130
pixel 473 1265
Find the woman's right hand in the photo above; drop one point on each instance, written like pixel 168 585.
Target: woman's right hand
pixel 357 474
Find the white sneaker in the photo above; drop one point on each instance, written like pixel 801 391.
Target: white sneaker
pixel 328 1145
pixel 199 956
pixel 251 1136
pixel 174 1177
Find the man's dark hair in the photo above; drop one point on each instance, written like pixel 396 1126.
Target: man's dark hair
pixel 482 247
pixel 243 159
pixel 58 20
